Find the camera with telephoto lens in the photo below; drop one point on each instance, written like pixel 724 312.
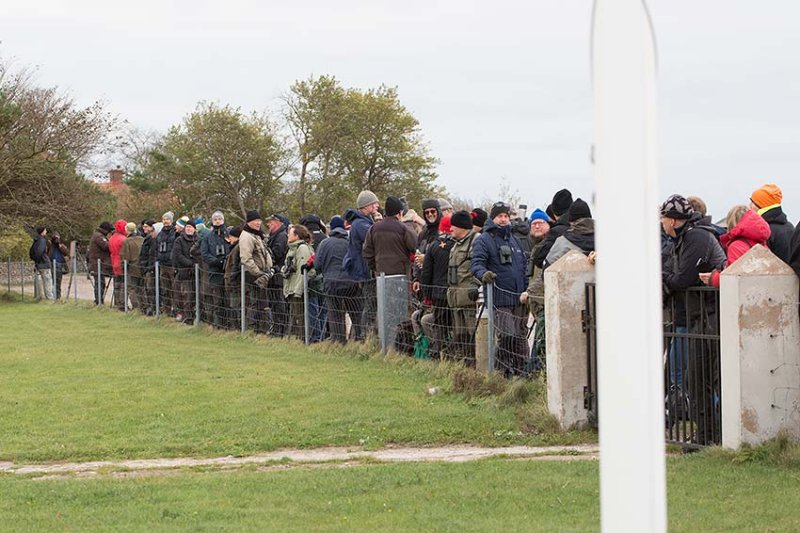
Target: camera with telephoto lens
pixel 473 292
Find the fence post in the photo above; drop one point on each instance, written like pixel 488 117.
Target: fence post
pixel 125 283
pixel 306 314
pixel 380 297
pixel 158 290
pixel 98 284
pixel 53 276
pixel 22 279
pixel 490 317
pixel 196 294
pixel 36 277
pixel 75 276
pixel 242 299
pixel 8 273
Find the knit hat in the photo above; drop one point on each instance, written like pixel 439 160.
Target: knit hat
pixel 39 229
pixel 561 202
pixel 444 204
pixel 461 219
pixel 479 217
pixel 499 208
pixel 549 212
pixel 393 206
pixel 149 222
pixel 169 214
pixel 130 228
pixel 349 215
pixel 366 198
pixel 191 223
pixel 312 222
pixel 444 224
pixel 538 214
pixel 235 231
pixel 768 195
pixel 253 215
pixel 578 210
pixel 430 203
pixel 181 223
pixel 198 221
pixel 337 222
pixel 106 227
pixel 676 206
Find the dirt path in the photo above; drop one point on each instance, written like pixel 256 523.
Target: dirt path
pixel 338 457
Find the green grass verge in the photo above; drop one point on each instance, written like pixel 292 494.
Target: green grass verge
pixel 705 494
pixel 78 383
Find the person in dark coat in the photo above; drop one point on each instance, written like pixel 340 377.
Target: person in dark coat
pixel 317 311
pixel 498 258
pixel 98 250
pixel 59 255
pixel 184 259
pixel 148 254
pixel 696 250
pixel 278 244
pixel 339 289
pixel 579 235
pixel 42 262
pixel 233 280
pixel 390 245
pixel 767 202
pixel 562 201
pixel 479 217
pixel 316 227
pixel 164 243
pixel 356 266
pixel 433 284
pixel 214 249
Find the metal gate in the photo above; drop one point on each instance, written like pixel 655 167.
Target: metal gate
pixel 692 393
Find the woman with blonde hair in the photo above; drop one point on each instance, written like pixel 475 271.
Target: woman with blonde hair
pixel 297 259
pixel 746 228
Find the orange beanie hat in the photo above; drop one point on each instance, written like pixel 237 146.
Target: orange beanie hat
pixel 767 195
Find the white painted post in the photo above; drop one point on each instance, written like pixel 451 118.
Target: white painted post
pixel 629 336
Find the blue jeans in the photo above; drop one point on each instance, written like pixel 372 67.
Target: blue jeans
pixel 676 362
pixel 318 314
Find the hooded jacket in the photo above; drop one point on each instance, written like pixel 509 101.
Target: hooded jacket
pixel 131 248
pixel 183 258
pixel 328 261
pixel 521 229
pixel 696 250
pixel 794 256
pixel 148 255
pixel 579 236
pixel 253 253
pixel 486 255
pixel 164 242
pixel 559 228
pixel 98 249
pixel 298 255
pixel 354 263
pixel 278 245
pixel 115 246
pixel 39 253
pixel 781 231
pixel 751 230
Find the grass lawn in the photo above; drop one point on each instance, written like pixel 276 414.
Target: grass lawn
pixel 705 494
pixel 78 383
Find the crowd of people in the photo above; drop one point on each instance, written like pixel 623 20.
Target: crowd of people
pixel 450 257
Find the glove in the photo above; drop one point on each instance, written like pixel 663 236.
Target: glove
pixel 488 277
pixel 262 281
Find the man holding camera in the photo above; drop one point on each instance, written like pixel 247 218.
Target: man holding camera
pixel 498 258
pixel 257 262
pixel 462 287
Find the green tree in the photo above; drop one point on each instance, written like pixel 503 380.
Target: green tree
pixel 219 158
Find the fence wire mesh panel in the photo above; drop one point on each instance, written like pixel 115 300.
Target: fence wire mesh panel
pixel 513 329
pixel 692 395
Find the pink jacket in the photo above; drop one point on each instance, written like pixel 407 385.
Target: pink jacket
pixel 751 230
pixel 115 245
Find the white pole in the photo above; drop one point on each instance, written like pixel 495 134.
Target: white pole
pixel 629 339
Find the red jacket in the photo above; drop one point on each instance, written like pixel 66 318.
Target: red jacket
pixel 115 245
pixel 751 230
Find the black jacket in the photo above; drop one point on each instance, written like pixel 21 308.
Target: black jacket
pixel 559 228
pixel 794 256
pixel 433 278
pixel 182 258
pixel 521 229
pixel 38 253
pixel 781 231
pixel 164 243
pixel 148 255
pixel 214 249
pixel 696 250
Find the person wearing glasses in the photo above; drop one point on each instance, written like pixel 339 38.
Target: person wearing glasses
pixel 498 260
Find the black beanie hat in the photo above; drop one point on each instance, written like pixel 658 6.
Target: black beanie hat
pixel 498 208
pixel 39 229
pixel 461 219
pixel 106 227
pixel 253 215
pixel 561 202
pixel 550 213
pixel 578 210
pixel 394 206
pixel 430 203
pixel 149 222
pixel 235 231
pixel 479 217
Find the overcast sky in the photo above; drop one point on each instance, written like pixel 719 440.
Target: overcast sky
pixel 501 89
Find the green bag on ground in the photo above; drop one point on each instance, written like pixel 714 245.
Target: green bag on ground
pixel 421 347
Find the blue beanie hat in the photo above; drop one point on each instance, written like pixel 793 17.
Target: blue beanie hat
pixel 337 222
pixel 538 214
